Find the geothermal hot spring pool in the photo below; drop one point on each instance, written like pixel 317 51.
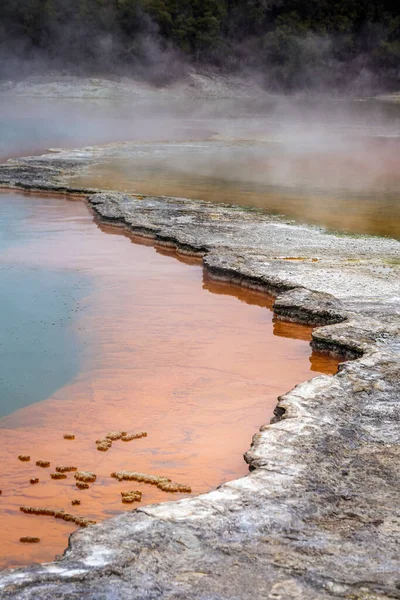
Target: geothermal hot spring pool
pixel 104 332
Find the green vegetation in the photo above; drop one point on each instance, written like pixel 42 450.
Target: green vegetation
pixel 292 43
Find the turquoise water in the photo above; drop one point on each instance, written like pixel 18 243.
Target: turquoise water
pixel 39 352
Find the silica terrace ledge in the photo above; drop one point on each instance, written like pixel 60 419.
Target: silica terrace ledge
pixel 319 514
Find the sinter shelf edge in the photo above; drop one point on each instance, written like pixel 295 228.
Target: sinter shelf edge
pixel 318 515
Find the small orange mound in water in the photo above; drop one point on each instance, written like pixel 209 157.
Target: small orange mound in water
pixel 115 435
pixel 141 477
pixel 163 483
pixel 69 436
pixel 82 486
pixel 63 469
pixel 85 476
pixel 133 496
pixel 103 447
pixel 170 486
pixel 24 457
pixel 34 480
pixel 106 441
pixel 133 436
pixel 103 444
pixel 36 510
pixel 27 539
pixel 43 463
pixel 58 514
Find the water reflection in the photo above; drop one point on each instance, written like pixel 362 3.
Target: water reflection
pixel 319 362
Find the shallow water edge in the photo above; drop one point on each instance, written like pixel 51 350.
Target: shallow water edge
pixel 162 348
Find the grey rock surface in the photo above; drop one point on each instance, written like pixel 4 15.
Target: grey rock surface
pixel 318 516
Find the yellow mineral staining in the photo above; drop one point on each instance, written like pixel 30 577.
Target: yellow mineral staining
pixel 58 476
pixel 34 480
pixel 43 463
pixel 58 514
pixel 24 457
pixel 75 502
pixel 170 486
pixel 27 539
pixel 82 486
pixel 133 436
pixel 63 469
pixel 85 476
pixel 69 436
pixel 133 496
pixel 299 258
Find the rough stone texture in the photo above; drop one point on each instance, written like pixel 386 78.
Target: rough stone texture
pixel 318 516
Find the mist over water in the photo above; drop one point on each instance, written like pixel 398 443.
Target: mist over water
pixel 334 163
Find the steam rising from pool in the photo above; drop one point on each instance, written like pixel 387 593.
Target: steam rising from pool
pixel 222 140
